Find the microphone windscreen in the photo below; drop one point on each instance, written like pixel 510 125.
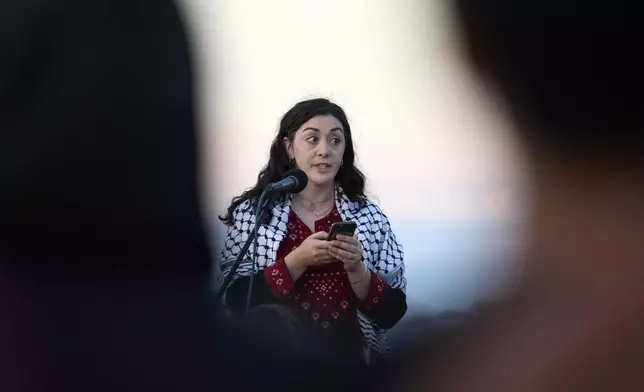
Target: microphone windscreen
pixel 300 178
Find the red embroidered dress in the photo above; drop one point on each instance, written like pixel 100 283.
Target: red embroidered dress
pixel 323 293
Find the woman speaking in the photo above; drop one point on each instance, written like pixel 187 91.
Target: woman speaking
pixel 343 292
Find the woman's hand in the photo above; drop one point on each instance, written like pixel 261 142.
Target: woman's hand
pixel 313 251
pixel 349 251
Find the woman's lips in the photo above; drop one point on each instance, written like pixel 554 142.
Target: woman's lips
pixel 323 166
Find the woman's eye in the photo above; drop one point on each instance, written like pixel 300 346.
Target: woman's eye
pixel 336 140
pixel 312 139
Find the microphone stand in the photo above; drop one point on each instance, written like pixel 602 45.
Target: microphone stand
pixel 270 189
pixel 241 254
pixel 258 212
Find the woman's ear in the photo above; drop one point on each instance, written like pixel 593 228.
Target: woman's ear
pixel 288 146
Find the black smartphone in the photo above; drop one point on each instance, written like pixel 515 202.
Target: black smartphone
pixel 342 228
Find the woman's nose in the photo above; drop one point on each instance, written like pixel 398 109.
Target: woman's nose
pixel 323 149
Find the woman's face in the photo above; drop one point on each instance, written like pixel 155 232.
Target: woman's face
pixel 318 148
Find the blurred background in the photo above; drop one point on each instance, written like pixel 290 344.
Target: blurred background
pixel 436 153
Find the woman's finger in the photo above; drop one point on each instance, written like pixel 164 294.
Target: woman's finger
pixel 320 244
pixel 342 254
pixel 320 252
pixel 330 259
pixel 325 259
pixel 345 246
pixel 348 239
pixel 345 255
pixel 320 235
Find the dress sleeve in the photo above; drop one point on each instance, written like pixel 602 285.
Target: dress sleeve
pixel 384 305
pixel 279 279
pixel 272 285
pixel 386 302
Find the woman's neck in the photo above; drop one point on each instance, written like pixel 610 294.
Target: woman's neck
pixel 317 194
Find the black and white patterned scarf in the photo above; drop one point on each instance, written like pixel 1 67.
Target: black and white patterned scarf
pixel 381 252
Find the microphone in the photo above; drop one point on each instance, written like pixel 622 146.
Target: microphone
pixel 294 181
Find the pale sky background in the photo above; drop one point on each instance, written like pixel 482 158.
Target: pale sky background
pixel 435 150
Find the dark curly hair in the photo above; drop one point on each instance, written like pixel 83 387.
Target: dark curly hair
pixel 349 176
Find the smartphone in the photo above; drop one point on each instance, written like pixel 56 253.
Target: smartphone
pixel 342 228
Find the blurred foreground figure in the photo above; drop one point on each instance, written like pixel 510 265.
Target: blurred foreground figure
pixel 103 255
pixel 104 268
pixel 571 76
pixel 105 272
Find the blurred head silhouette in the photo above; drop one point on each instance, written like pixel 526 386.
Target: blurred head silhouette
pixel 572 82
pixel 571 77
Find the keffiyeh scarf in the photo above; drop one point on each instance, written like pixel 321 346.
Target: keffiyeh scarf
pixel 381 252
